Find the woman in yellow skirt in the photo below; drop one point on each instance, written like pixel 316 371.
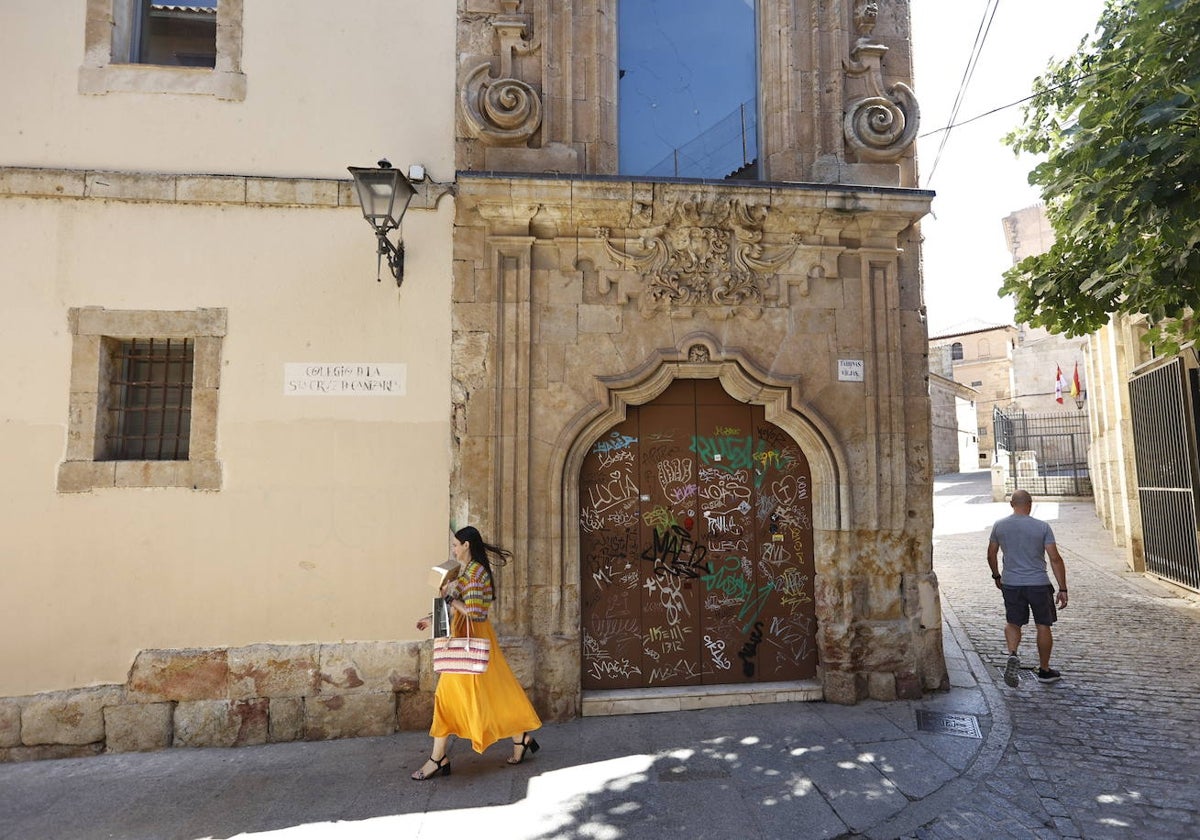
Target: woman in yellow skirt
pixel 487 707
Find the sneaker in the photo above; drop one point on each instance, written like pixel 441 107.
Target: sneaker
pixel 1012 671
pixel 1048 675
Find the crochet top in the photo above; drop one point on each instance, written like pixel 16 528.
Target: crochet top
pixel 474 588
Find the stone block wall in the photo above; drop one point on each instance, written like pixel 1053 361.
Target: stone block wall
pixel 234 697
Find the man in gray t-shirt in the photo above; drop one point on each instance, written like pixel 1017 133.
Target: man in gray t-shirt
pixel 1025 543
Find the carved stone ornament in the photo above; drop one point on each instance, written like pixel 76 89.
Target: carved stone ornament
pixel 881 126
pixel 710 255
pixel 502 110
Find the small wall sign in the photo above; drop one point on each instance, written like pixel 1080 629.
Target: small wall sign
pixel 337 379
pixel 851 370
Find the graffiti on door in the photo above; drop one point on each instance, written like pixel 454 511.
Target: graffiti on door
pixel 695 529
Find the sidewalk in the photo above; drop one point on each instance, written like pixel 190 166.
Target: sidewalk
pixel 793 770
pixel 800 770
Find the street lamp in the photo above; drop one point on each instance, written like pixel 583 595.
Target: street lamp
pixel 1080 399
pixel 384 194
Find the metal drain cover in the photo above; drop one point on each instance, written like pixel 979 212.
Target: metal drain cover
pixel 946 723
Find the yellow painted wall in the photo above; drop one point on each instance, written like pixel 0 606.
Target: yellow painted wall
pixel 316 99
pixel 332 508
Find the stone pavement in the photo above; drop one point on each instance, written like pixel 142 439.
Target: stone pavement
pixel 1111 751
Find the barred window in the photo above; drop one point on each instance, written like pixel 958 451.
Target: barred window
pixel 150 399
pixel 145 394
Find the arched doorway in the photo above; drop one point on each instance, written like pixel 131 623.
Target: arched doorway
pixel 696 547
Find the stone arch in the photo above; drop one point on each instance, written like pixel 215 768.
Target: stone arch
pixel 743 380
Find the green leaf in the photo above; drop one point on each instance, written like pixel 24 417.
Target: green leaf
pixel 1118 126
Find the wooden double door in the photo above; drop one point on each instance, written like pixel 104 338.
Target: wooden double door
pixel 696 543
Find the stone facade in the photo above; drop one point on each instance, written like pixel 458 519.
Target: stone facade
pixel 577 293
pixel 1113 354
pixel 538 89
pixel 566 311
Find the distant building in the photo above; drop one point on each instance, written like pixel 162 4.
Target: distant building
pixel 955 426
pixel 1040 354
pixel 980 359
pixel 1027 232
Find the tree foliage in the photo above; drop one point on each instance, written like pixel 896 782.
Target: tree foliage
pixel 1119 126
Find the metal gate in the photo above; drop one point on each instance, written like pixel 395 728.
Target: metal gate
pixel 1162 402
pixel 1046 453
pixel 696 544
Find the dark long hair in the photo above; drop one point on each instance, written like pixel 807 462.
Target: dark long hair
pixel 482 553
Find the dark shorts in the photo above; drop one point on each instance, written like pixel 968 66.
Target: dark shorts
pixel 1020 601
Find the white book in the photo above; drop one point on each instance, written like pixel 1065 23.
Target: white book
pixel 443 572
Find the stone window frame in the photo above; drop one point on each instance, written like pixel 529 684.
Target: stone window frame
pixel 84 469
pixel 101 74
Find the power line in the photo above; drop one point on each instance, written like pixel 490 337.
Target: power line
pixel 1025 99
pixel 985 26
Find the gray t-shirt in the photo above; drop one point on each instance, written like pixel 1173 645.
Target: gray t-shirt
pixel 1023 540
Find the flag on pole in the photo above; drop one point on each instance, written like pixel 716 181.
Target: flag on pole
pixel 1075 389
pixel 1058 384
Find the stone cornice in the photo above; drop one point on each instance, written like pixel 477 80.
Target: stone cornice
pixel 245 190
pixel 867 214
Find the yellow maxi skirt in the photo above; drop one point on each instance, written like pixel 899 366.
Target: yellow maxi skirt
pixel 482 707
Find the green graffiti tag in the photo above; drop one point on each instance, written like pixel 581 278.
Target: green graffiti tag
pixel 740 453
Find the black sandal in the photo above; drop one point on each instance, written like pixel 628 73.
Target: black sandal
pixel 443 767
pixel 528 745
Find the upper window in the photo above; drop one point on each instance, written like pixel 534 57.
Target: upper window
pixel 147 47
pixel 143 402
pixel 168 34
pixel 985 349
pixel 688 89
pixel 956 351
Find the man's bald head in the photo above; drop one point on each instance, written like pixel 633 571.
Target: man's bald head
pixel 1021 501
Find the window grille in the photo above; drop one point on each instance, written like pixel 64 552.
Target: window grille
pixel 152 400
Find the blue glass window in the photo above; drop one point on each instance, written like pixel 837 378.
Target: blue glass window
pixel 688 88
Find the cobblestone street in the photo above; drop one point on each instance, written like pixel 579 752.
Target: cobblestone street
pixel 1113 749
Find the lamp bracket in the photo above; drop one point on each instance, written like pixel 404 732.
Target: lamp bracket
pixel 394 254
pixel 429 192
